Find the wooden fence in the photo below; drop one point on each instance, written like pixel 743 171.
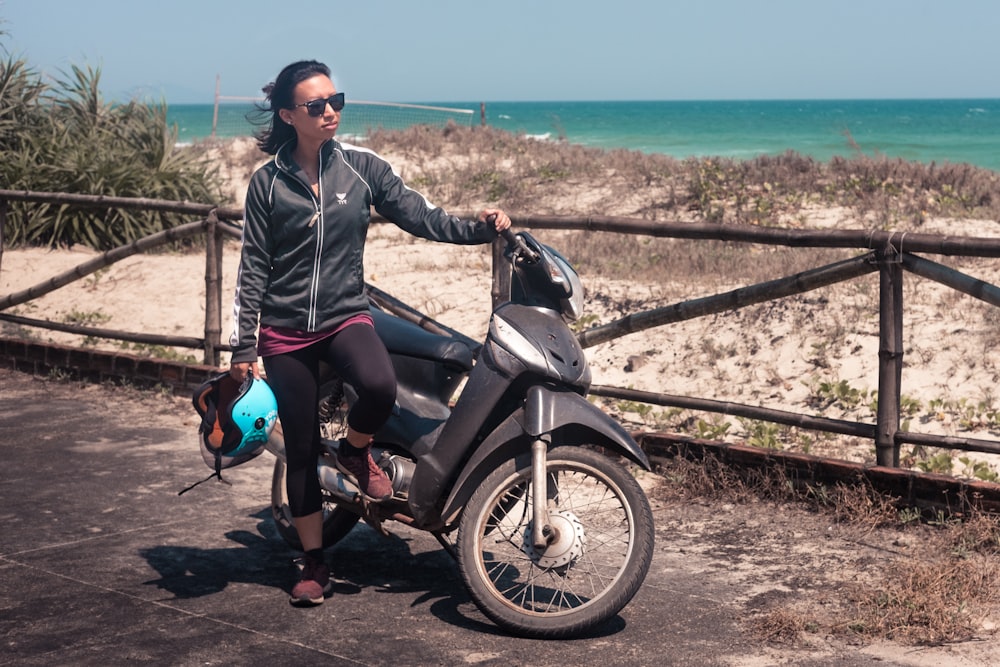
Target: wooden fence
pixel 889 253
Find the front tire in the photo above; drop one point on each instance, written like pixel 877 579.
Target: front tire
pixel 587 575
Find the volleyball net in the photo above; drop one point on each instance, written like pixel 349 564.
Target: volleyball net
pixel 357 120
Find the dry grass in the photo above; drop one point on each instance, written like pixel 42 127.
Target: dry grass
pixel 941 592
pixel 923 602
pixel 464 169
pixel 859 504
pixel 779 626
pixel 492 165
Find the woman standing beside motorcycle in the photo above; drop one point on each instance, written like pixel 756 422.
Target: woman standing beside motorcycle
pixel 301 281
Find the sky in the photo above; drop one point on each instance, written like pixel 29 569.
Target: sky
pixel 520 50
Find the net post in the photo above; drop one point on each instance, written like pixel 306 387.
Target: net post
pixel 215 110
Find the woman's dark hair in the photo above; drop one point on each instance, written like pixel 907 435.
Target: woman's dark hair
pixel 279 95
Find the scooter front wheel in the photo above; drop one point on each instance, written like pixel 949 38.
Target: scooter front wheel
pixel 337 521
pixel 601 553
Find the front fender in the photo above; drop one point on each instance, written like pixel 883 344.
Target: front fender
pixel 559 417
pixel 574 418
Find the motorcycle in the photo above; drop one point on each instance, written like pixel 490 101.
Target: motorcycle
pixel 554 536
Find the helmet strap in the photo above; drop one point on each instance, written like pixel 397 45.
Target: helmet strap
pixel 217 473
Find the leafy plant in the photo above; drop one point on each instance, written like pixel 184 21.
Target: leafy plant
pixel 939 463
pixel 711 430
pixel 641 409
pixel 909 406
pixel 765 435
pixel 978 469
pixel 86 318
pixel 839 393
pixel 158 352
pixel 585 322
pixel 65 137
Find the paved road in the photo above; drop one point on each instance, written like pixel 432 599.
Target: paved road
pixel 101 562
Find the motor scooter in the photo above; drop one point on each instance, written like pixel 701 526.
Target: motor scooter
pixel 554 533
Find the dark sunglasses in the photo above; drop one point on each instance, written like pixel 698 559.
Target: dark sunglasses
pixel 318 107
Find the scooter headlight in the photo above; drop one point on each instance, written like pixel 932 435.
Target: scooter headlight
pixel 507 336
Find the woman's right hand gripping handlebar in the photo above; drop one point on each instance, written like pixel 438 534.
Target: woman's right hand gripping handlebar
pixel 497 218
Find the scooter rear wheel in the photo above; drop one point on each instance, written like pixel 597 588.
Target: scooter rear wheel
pixel 599 558
pixel 337 521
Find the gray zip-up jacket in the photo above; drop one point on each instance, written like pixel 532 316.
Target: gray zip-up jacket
pixel 301 264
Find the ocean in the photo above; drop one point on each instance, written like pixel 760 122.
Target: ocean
pixel 926 130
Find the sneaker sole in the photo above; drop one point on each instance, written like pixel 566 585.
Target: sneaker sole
pixel 311 602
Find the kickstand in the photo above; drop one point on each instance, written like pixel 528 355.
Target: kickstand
pixel 448 546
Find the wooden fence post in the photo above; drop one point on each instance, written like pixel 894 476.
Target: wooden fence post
pixel 213 289
pixel 890 357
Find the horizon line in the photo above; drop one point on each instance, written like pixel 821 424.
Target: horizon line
pixel 244 100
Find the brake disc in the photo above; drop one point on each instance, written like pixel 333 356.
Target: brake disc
pixel 568 547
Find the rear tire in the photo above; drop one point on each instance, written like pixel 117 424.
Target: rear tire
pixel 337 521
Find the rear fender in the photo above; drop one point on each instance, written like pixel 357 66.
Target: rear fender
pixel 559 418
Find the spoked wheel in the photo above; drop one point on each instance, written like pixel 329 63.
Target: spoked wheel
pixel 600 555
pixel 337 522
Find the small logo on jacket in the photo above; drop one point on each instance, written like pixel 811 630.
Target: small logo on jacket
pixel 341 198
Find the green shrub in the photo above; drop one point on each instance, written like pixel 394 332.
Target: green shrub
pixel 65 138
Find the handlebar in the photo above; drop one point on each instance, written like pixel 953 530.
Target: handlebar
pixel 516 247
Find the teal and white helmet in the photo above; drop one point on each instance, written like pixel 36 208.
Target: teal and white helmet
pixel 236 419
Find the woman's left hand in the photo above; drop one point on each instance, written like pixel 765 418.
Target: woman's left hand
pixel 501 222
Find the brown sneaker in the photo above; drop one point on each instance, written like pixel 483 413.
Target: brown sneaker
pixel 361 468
pixel 314 584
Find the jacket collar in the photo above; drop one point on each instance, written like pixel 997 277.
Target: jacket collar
pixel 283 158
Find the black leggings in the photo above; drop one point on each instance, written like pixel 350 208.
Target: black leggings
pixel 358 356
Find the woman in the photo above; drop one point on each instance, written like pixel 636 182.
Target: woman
pixel 301 279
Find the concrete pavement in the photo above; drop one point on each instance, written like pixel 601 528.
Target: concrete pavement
pixel 101 562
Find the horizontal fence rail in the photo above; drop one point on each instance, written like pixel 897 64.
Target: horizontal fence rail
pixel 744 296
pixel 969 246
pixel 886 252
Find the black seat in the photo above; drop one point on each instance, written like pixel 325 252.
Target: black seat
pixel 406 338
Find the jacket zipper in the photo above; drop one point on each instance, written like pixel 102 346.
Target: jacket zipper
pixel 317 217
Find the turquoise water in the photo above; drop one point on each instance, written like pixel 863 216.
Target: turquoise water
pixel 952 130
